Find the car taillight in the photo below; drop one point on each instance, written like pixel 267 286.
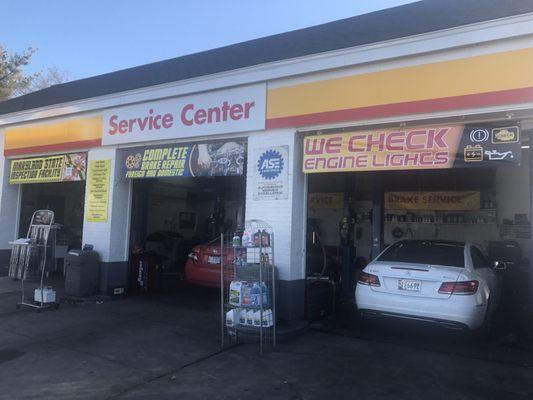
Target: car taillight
pixel 193 255
pixel 463 287
pixel 368 279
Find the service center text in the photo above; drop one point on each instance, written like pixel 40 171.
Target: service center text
pixel 188 115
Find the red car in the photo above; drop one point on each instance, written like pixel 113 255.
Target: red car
pixel 203 265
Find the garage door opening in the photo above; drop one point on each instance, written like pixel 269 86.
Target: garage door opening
pixel 476 199
pixel 176 222
pixel 65 199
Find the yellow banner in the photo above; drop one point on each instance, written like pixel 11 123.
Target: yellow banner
pixel 98 196
pixel 449 201
pixel 400 86
pixel 60 168
pixel 326 200
pixel 53 136
pixel 390 149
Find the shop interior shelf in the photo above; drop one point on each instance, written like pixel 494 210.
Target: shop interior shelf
pixel 230 306
pixel 251 273
pixel 249 265
pixel 249 247
pixel 441 211
pixel 441 223
pixel 250 328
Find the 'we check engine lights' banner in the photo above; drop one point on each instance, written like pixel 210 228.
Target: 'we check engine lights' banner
pixel 436 147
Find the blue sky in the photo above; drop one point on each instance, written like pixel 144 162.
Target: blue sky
pixel 92 37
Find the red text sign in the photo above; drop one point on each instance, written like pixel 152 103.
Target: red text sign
pixel 416 148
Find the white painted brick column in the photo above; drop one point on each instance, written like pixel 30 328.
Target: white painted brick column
pixel 9 210
pixel 286 217
pixel 111 239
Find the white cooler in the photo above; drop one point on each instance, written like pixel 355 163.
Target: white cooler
pixel 48 295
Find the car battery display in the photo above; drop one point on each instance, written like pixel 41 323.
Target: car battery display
pixel 473 153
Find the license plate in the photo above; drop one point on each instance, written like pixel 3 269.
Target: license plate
pixel 411 286
pixel 213 259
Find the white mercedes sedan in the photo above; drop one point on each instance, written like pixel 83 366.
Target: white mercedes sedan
pixel 449 283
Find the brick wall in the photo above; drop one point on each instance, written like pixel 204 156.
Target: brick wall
pixel 110 239
pixel 9 202
pixel 285 215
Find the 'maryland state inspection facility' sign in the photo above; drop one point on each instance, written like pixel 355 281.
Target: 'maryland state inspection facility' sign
pixel 57 168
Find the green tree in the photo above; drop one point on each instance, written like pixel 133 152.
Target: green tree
pixel 13 81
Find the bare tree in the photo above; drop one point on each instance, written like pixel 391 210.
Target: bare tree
pixel 48 77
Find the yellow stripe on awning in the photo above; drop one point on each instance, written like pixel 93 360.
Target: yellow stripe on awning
pixel 45 134
pixel 479 74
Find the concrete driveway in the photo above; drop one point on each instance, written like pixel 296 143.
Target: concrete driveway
pixel 167 347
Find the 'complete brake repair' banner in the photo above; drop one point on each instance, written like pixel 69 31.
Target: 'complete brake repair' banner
pixel 435 147
pixel 219 158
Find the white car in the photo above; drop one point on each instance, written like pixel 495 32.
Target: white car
pixel 450 283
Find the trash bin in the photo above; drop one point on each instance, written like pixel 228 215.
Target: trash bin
pixel 319 299
pixel 81 275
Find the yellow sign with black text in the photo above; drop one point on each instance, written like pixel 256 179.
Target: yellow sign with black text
pixel 447 201
pixel 59 168
pixel 326 200
pixel 98 195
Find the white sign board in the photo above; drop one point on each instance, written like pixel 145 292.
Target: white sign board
pixel 222 111
pixel 272 173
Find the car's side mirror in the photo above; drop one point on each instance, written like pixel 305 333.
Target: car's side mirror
pixel 500 265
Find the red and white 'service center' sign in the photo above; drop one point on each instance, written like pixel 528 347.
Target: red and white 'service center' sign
pixel 223 111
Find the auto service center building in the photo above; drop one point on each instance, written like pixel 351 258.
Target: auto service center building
pixel 414 122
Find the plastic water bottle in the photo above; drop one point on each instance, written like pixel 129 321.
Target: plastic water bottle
pixel 254 295
pixel 236 241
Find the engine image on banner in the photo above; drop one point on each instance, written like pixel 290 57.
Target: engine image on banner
pixel 435 147
pixel 219 158
pixel 272 173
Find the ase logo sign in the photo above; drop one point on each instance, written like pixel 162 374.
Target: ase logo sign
pixel 272 180
pixel 270 164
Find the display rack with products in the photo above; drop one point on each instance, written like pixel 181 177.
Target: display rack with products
pixel 29 261
pixel 248 286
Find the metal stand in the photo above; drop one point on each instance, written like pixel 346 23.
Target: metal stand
pixel 38 234
pixel 248 286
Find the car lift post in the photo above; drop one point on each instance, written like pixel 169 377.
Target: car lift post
pixel 377 214
pixel 346 233
pixel 530 253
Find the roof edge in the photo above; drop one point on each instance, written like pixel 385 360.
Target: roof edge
pixel 493 30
